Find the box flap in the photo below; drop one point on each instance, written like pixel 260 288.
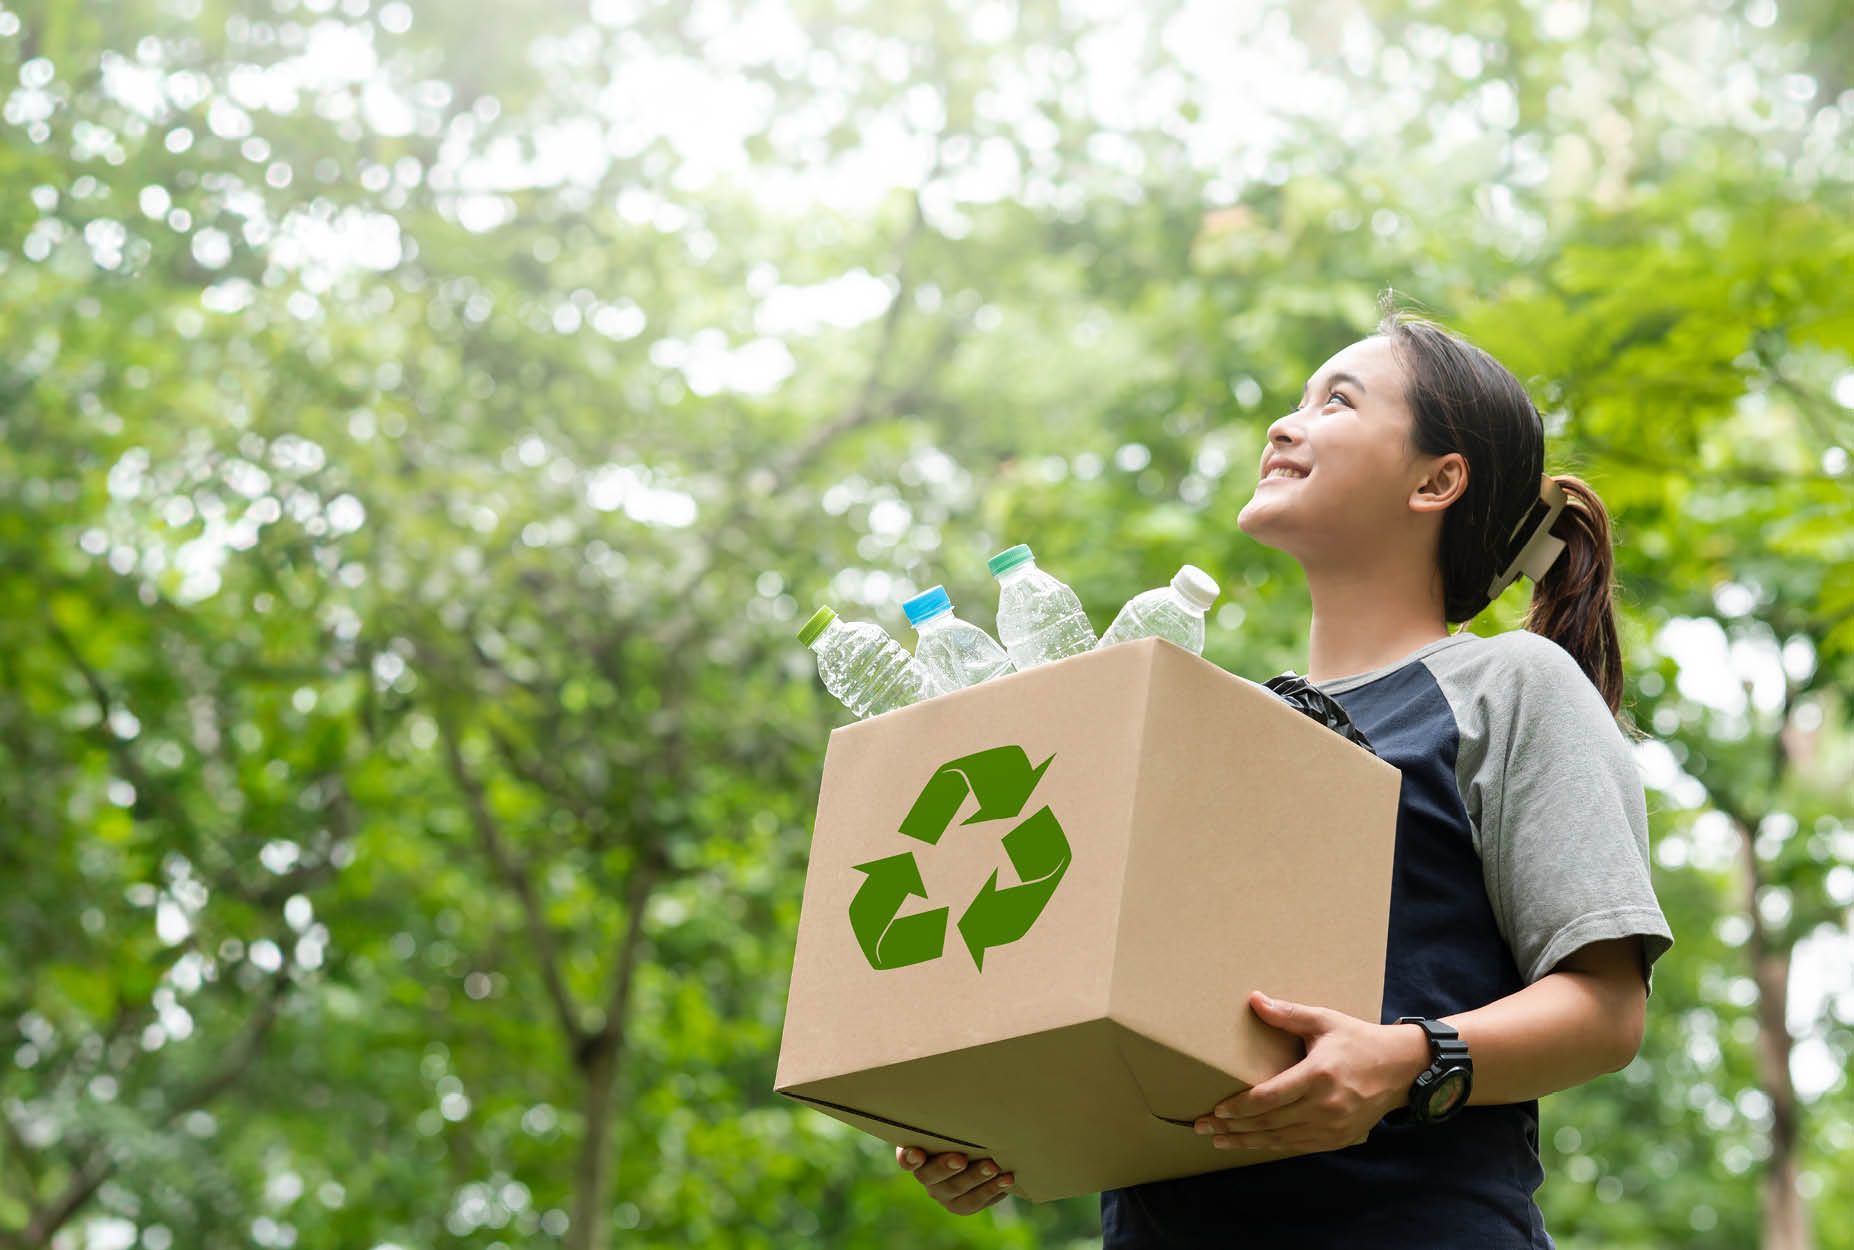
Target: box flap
pixel 1174 1087
pixel 889 1130
pixel 1060 1111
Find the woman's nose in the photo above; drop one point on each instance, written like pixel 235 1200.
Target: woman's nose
pixel 1282 431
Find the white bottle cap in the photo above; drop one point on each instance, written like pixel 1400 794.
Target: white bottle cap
pixel 1195 587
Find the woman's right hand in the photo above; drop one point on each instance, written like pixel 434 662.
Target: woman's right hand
pixel 960 1186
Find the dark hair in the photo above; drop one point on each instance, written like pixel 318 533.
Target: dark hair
pixel 1463 400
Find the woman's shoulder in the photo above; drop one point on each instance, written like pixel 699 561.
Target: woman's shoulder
pixel 1519 652
pixel 1519 671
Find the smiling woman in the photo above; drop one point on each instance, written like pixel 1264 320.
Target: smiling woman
pixel 1408 485
pixel 1414 399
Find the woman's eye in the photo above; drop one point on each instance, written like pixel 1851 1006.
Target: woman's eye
pixel 1336 397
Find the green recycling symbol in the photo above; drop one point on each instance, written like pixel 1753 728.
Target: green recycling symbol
pixel 1002 780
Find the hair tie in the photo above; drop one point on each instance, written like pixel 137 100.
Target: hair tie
pixel 1542 547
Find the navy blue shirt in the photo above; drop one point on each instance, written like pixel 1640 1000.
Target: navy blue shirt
pixel 1468 1182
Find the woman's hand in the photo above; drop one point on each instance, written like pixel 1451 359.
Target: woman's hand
pixel 955 1184
pixel 1354 1072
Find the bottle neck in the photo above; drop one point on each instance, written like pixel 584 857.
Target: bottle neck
pixel 943 617
pixel 1016 572
pixel 827 634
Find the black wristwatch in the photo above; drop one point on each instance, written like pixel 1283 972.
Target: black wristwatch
pixel 1442 1088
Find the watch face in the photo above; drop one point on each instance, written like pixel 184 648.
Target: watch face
pixel 1450 1091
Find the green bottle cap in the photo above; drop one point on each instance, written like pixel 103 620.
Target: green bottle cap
pixel 1009 559
pixel 809 632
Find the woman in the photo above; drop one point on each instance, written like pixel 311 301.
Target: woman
pixel 1409 486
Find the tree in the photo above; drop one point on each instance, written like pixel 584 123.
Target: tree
pixel 426 441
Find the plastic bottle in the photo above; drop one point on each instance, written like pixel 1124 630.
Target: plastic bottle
pixel 869 672
pixel 1174 613
pixel 1039 619
pixel 957 653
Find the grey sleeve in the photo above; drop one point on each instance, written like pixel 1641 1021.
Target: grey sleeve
pixel 1556 804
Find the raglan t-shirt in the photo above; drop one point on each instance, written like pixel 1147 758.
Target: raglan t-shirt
pixel 1522 836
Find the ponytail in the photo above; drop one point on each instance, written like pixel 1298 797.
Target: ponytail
pixel 1572 605
pixel 1464 401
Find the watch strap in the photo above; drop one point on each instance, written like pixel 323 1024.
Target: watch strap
pixel 1446 1051
pixel 1445 1043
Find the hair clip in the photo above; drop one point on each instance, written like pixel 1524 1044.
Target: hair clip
pixel 1542 548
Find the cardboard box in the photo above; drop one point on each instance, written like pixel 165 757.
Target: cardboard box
pixel 1035 909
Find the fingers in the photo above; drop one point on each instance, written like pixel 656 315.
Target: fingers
pixel 1287 1142
pixel 1256 1118
pixel 1326 1101
pixel 1299 1019
pixel 1276 1094
pixel 988 1194
pixel 1217 1122
pixel 936 1170
pixel 1277 1130
pixel 960 1186
pixel 961 1180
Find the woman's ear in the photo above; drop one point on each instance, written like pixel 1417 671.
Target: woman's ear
pixel 1445 481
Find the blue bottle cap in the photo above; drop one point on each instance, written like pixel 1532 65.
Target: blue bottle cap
pixel 928 603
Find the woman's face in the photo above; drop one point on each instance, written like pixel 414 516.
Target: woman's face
pixel 1338 473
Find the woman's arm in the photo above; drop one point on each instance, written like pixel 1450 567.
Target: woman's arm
pixel 1580 1020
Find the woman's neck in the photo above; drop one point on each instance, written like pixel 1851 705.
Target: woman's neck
pixel 1367 618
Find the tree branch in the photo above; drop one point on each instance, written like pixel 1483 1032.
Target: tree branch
pixel 542 776
pixel 146 789
pixel 84 1182
pixel 89 1176
pixel 644 877
pixel 864 407
pixel 20 1153
pixel 105 705
pixel 303 877
pixel 126 1017
pixel 860 411
pixel 515 877
pixel 240 1055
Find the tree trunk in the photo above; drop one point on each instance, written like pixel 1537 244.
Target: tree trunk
pixel 1786 1219
pixel 591 1222
pixel 599 1059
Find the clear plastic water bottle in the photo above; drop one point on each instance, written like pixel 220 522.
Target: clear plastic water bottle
pixel 869 672
pixel 1039 619
pixel 1174 613
pixel 956 652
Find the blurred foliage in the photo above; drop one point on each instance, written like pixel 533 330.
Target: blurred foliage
pixel 425 426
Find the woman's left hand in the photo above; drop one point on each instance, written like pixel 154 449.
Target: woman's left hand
pixel 1354 1073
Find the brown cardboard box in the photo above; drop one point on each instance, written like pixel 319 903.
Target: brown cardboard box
pixel 1035 909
